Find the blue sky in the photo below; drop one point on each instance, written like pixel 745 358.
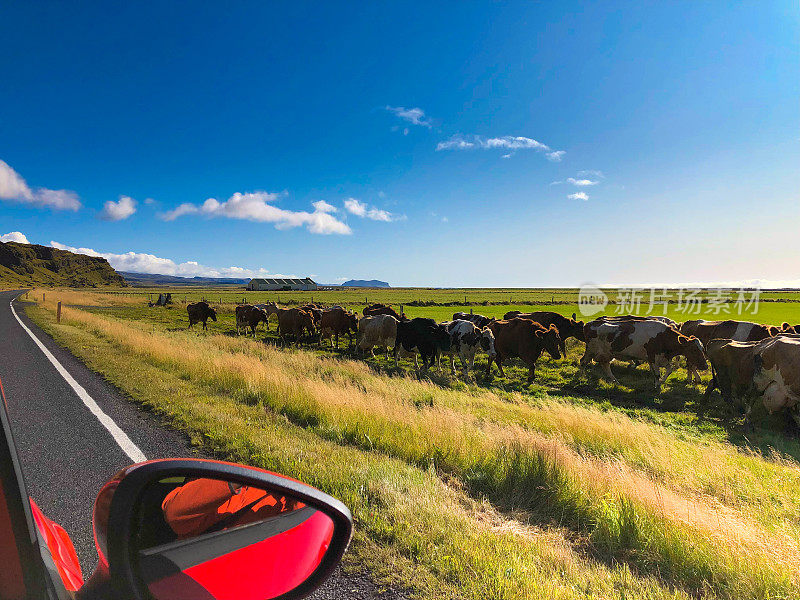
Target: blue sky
pixel 443 145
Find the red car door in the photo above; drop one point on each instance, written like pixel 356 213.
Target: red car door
pixel 27 567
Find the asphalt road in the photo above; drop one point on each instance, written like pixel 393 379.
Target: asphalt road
pixel 67 454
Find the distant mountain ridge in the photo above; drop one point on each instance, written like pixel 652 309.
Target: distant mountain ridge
pixel 373 283
pixel 23 265
pixel 149 279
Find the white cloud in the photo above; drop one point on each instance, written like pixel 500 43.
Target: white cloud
pixel 14 236
pixel 120 210
pixel 582 179
pixel 182 209
pixel 323 206
pixel 578 196
pixel 13 187
pixel 149 201
pixel 139 262
pixel 363 210
pixel 415 116
pixel 507 142
pixel 581 182
pixel 255 206
pixel 455 143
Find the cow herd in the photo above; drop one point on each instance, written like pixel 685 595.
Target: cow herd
pixel 749 362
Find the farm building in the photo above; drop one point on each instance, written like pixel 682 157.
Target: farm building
pixel 278 284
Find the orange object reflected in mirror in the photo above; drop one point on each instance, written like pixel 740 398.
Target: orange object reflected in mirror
pixel 210 538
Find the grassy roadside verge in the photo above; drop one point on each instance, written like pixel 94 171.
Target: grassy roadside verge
pixel 381 432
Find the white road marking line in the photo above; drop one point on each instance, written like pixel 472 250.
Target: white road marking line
pixel 123 441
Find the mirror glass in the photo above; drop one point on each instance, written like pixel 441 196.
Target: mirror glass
pixel 210 539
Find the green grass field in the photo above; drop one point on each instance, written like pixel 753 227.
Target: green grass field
pixel 485 488
pixel 773 307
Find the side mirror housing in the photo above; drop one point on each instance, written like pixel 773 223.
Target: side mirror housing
pixel 188 528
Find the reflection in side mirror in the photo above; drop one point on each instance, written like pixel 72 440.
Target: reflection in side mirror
pixel 206 530
pixel 226 540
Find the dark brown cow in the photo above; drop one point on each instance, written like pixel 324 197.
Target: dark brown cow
pixel 293 321
pixel 200 312
pixel 337 321
pixel 525 339
pixel 381 309
pixel 566 327
pixel 732 369
pixel 645 340
pixel 248 315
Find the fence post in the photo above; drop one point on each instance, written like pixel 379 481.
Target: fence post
pixel 58 313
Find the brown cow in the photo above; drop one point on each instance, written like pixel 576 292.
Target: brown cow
pixel 336 321
pixel 644 340
pixel 200 312
pixel 525 339
pixel 566 327
pixel 739 331
pixel 248 315
pixel 766 370
pixel 381 309
pixel 270 308
pixel 315 311
pixel 293 321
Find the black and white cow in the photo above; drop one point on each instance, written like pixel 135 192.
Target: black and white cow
pixel 479 320
pixel 466 339
pixel 424 336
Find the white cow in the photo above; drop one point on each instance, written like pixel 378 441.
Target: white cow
pixel 380 331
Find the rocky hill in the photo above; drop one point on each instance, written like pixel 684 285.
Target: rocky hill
pixel 23 265
pixel 372 283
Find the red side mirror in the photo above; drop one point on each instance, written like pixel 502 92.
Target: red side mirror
pixel 208 530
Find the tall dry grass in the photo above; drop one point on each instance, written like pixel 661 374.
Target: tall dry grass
pixel 413 527
pixel 558 463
